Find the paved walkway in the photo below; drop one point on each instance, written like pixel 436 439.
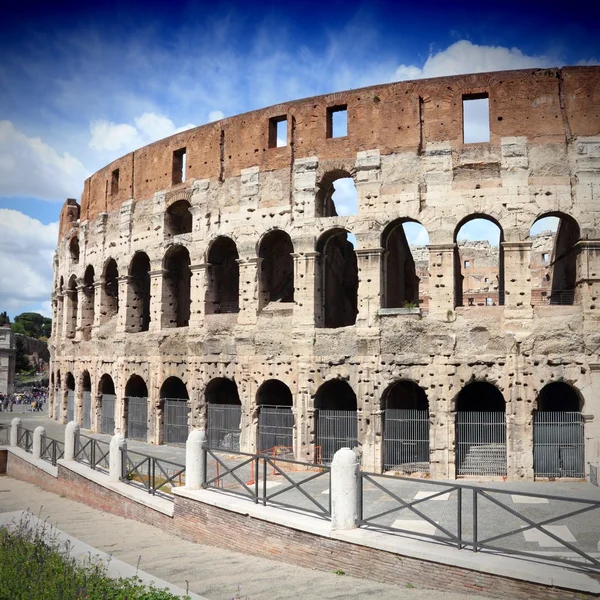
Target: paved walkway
pixel 210 571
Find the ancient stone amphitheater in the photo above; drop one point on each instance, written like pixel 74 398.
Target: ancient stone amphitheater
pixel 208 281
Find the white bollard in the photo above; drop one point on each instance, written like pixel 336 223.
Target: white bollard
pixel 344 490
pixel 117 442
pixel 194 460
pixel 38 434
pixel 71 434
pixel 14 431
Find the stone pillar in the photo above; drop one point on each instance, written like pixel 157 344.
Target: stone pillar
pixel 123 304
pixel 96 416
pixel 156 298
pixel 14 431
pixel 117 443
pixel 344 490
pixel 305 289
pixel 80 310
pixel 369 286
pixel 78 408
pixel 248 294
pixel 71 435
pixel 64 402
pixel 442 280
pixel 38 434
pixel 372 449
pixel 587 279
pixel 195 473
pixel 97 305
pixel 517 274
pixel 197 295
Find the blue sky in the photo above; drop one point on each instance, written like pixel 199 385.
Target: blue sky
pixel 83 83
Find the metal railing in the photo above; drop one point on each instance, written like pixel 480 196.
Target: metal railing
pixel 92 452
pixel 258 477
pixel 156 476
pixel 556 298
pixel 51 450
pixel 4 435
pixel 24 438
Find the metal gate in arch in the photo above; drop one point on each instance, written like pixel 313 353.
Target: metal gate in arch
pixel 70 406
pixel 137 418
pixel 558 444
pixel 406 440
pixel 87 410
pixel 481 443
pixel 335 429
pixel 275 428
pixel 175 420
pixel 107 421
pixel 223 429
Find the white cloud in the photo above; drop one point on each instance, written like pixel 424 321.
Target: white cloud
pixel 123 137
pixel 466 57
pixel 26 253
pixel 215 115
pixel 30 167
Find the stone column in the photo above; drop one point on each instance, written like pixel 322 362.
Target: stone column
pixel 78 408
pixel 197 295
pixel 71 434
pixel 442 280
pixel 517 274
pixel 38 434
pixel 64 402
pixel 305 289
pixel 369 286
pixel 97 305
pixel 117 443
pixel 587 279
pixel 248 294
pixel 80 310
pixel 372 449
pixel 195 473
pixel 156 298
pixel 123 304
pixel 344 490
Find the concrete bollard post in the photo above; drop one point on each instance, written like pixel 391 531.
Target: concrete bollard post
pixel 71 435
pixel 38 434
pixel 195 474
pixel 14 431
pixel 115 470
pixel 344 490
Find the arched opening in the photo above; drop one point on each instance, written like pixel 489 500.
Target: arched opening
pixel 58 326
pixel 87 310
pixel 106 389
pixel 70 383
pixel 176 288
pixel 174 401
pixel 480 430
pixel 405 428
pixel 109 305
pixel 275 418
pixel 276 280
pixel 72 304
pixel 338 277
pixel 479 262
pixel 86 387
pixel 136 408
pixel 224 414
pixel 405 265
pixel 74 250
pixel 336 195
pixel 138 304
pixel 58 397
pixel 178 218
pixel 336 419
pixel 222 293
pixel 558 432
pixel 554 259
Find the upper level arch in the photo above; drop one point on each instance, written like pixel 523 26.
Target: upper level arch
pixel 223 277
pixel 276 275
pixel 336 194
pixel 178 218
pixel 109 298
pixel 138 294
pixel 176 296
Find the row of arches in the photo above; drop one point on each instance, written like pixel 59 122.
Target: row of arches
pixel 404 278
pixel 479 428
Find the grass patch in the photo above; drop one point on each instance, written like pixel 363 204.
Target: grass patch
pixel 34 565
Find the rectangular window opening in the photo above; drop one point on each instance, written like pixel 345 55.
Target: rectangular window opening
pixel 545 257
pixel 179 162
pixel 278 132
pixel 476 118
pixel 114 182
pixel 337 121
pixel 467 264
pixel 489 301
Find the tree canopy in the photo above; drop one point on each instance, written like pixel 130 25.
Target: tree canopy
pixel 32 324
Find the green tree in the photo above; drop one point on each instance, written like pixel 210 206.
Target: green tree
pixel 4 318
pixel 18 328
pixel 21 359
pixel 33 325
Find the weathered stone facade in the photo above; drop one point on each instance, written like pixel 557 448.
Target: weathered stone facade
pixel 178 262
pixel 7 360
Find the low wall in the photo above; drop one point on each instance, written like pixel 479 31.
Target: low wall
pixel 304 540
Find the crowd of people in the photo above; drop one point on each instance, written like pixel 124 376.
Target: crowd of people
pixel 31 399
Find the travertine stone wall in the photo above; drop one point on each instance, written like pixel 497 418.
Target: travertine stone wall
pixel 405 152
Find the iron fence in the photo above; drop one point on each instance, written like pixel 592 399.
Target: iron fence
pixel 275 427
pixel 269 480
pixel 223 429
pixel 4 435
pixel 92 452
pixel 87 410
pixel 107 420
pixel 137 418
pixel 558 444
pixel 51 450
pixel 335 429
pixel 226 307
pixel 175 420
pixel 24 438
pixel 481 443
pixel 156 476
pixel 557 298
pixel 406 440
pixel 70 406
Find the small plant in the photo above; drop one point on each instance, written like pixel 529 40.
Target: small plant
pixel 376 99
pixel 410 586
pixel 410 305
pixel 339 572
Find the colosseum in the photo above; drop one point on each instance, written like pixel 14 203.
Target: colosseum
pixel 209 281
